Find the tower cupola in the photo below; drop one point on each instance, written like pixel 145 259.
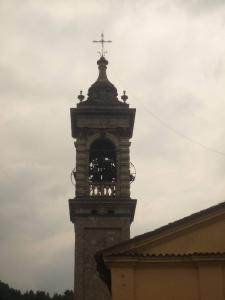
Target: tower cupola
pixel 102 91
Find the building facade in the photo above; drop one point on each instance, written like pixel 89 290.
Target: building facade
pixel 183 260
pixel 102 210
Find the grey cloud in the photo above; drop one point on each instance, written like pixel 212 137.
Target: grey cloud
pixel 166 61
pixel 199 6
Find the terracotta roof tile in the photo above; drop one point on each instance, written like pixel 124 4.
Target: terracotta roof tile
pixel 168 226
pixel 138 254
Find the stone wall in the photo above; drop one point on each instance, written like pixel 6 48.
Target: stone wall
pixel 92 234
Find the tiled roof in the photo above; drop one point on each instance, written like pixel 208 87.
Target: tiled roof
pixel 116 251
pixel 184 220
pixel 169 226
pixel 105 273
pixel 167 255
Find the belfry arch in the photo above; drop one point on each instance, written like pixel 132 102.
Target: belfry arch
pixel 102 168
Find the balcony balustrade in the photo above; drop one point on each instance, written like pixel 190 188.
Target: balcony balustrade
pixel 106 189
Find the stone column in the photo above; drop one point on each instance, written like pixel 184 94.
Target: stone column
pixel 82 187
pixel 124 168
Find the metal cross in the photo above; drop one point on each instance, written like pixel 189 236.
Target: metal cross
pixel 102 41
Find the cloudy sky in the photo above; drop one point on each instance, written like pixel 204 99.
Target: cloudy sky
pixel 169 55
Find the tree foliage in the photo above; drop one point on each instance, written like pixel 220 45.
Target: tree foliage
pixel 7 293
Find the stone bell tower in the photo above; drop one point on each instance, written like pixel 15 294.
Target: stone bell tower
pixel 102 209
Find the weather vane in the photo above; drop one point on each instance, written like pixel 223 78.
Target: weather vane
pixel 102 41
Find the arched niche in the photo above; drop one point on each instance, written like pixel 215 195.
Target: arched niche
pixel 102 161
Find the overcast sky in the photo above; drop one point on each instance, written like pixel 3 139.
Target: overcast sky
pixel 169 56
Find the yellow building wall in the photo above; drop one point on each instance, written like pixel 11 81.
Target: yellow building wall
pixel 123 284
pixel 203 238
pixel 146 278
pixel 169 282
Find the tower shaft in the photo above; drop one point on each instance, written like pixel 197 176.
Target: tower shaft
pixel 102 209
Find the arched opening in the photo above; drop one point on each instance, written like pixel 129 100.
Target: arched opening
pixel 102 161
pixel 102 168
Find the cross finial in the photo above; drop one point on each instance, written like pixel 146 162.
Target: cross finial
pixel 102 41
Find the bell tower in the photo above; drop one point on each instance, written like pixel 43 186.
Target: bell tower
pixel 102 209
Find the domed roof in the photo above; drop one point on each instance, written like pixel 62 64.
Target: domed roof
pixel 102 91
